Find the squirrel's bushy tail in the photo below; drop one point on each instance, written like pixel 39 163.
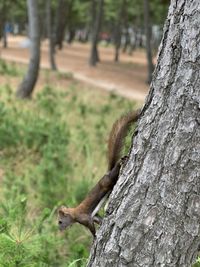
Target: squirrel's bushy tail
pixel 117 136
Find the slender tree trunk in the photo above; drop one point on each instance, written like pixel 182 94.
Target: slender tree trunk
pixel 3 33
pixel 154 210
pixel 27 86
pixel 1 28
pixel 127 40
pixel 5 42
pixel 43 22
pixel 148 33
pixel 118 29
pixel 117 41
pixel 97 11
pixel 1 23
pixel 51 35
pixel 61 21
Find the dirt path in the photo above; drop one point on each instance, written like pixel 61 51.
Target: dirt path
pixel 126 78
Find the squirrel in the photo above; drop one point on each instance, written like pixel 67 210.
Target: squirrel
pixel 86 212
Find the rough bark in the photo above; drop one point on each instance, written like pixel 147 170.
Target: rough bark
pixel 27 86
pixel 154 211
pixel 51 37
pixel 97 13
pixel 148 33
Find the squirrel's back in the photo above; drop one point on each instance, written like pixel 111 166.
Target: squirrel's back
pixel 117 136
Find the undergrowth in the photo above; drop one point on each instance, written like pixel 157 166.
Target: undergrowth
pixel 9 69
pixel 52 151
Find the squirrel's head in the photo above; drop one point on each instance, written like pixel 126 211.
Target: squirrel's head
pixel 65 217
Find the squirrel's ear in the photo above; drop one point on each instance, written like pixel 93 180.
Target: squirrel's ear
pixel 61 212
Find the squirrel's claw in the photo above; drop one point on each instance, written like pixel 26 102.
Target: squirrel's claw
pixel 97 219
pixel 123 160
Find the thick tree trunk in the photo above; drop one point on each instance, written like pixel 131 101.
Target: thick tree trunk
pixel 154 211
pixel 26 87
pixel 51 37
pixel 97 11
pixel 148 33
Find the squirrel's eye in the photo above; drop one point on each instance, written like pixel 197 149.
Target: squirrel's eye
pixel 59 222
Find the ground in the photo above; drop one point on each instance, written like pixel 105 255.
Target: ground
pixel 127 78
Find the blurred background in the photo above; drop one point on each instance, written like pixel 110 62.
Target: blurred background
pixel 120 37
pixel 68 69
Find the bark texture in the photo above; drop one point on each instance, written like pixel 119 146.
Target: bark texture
pixel 26 87
pixel 154 211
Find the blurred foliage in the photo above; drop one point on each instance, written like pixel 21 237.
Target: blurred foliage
pixel 9 69
pixel 52 151
pixel 134 11
pixel 79 13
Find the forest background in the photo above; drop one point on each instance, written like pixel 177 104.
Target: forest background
pixel 53 147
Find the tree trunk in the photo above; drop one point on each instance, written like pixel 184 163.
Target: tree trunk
pixel 61 21
pixel 5 40
pixel 3 33
pixel 117 41
pixel 127 40
pixel 51 37
pixel 148 32
pixel 26 87
pixel 154 210
pixel 97 13
pixel 118 29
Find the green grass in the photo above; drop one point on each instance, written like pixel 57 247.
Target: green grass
pixel 52 151
pixel 9 69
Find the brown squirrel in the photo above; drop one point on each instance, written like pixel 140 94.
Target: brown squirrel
pixel 86 212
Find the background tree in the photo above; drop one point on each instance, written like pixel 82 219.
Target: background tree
pixel 3 25
pixel 125 23
pixel 26 87
pixel 79 18
pixel 61 21
pixel 97 13
pixel 118 27
pixel 154 211
pixel 148 34
pixel 51 35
